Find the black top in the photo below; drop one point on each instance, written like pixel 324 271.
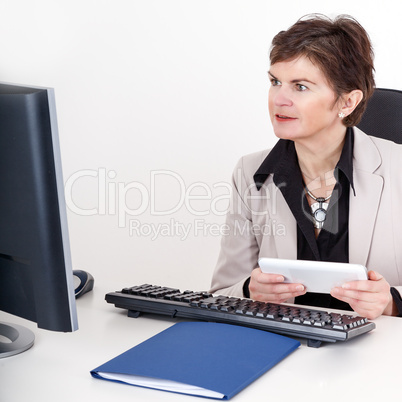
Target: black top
pixel 332 243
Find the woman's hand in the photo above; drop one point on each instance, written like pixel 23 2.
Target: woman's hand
pixel 370 298
pixel 270 287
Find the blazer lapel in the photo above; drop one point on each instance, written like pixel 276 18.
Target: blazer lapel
pixel 286 244
pixel 364 205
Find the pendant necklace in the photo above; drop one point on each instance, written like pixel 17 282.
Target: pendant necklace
pixel 319 209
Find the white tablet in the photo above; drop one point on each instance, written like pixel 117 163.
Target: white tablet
pixel 316 276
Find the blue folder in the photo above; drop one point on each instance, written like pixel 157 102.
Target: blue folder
pixel 206 359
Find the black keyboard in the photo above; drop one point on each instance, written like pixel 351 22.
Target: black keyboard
pixel 314 324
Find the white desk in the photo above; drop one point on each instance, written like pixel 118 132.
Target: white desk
pixel 56 368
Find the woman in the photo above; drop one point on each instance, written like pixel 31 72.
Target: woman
pixel 326 191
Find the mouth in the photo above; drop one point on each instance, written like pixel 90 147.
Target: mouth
pixel 281 117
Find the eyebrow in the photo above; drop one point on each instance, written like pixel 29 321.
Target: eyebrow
pixel 293 81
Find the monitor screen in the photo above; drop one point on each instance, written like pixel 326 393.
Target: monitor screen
pixel 36 277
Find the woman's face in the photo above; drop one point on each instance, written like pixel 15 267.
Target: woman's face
pixel 301 102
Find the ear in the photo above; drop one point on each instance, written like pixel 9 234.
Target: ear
pixel 350 101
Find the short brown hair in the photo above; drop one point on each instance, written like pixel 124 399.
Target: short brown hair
pixel 341 48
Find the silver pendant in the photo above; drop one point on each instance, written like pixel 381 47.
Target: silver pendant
pixel 319 213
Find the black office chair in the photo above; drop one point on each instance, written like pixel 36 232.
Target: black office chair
pixel 383 116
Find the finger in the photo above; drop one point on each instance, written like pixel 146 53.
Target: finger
pixel 356 295
pixel 275 292
pixel 365 286
pixel 363 308
pixel 266 278
pixel 374 276
pixel 283 289
pixel 360 299
pixel 289 288
pixel 370 286
pixel 275 279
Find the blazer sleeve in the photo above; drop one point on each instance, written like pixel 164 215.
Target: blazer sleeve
pixel 239 246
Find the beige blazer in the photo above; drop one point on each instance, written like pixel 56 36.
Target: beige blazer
pixel 260 223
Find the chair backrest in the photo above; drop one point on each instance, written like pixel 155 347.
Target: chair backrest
pixel 383 116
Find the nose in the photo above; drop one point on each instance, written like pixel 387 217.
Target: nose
pixel 280 96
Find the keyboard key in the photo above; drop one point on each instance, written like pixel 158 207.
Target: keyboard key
pixel 340 326
pixel 308 321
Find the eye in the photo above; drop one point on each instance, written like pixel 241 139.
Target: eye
pixel 275 82
pixel 301 87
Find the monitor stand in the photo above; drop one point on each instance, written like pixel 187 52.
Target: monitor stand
pixel 20 339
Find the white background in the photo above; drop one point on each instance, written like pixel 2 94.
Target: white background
pixel 161 85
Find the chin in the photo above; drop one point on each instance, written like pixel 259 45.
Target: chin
pixel 286 131
pixel 285 134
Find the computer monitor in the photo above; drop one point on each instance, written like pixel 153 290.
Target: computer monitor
pixel 36 277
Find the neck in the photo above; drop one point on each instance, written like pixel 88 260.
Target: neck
pixel 317 160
